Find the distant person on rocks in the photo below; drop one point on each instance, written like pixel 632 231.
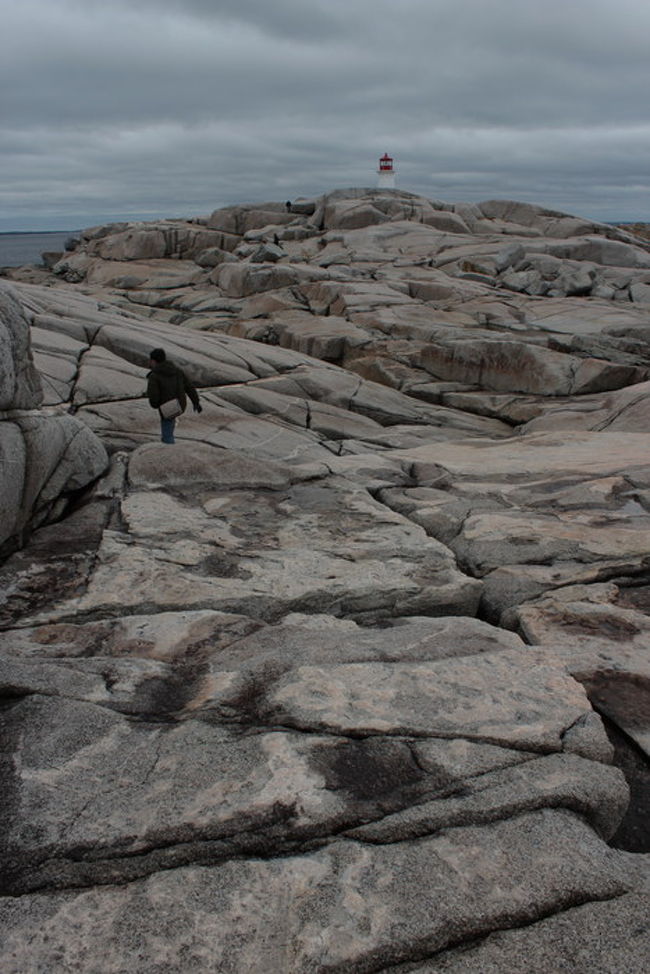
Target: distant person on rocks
pixel 165 384
pixel 288 206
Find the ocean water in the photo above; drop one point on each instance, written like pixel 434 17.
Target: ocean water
pixel 17 249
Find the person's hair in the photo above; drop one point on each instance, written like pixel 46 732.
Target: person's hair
pixel 158 354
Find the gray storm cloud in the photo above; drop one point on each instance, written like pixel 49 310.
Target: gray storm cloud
pixel 163 107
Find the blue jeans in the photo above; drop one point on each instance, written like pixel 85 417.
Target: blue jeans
pixel 167 430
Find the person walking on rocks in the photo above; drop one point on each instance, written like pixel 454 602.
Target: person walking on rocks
pixel 167 390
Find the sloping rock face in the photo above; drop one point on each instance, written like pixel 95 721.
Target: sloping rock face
pixel 44 459
pixel 354 676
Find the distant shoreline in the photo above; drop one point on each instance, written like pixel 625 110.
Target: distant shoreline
pixel 31 233
pixel 18 248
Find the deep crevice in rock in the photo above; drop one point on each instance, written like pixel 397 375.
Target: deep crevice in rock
pixel 633 834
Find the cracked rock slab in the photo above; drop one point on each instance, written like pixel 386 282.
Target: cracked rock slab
pixel 492 540
pixel 607 653
pixel 522 700
pixel 315 547
pixel 46 458
pixel 347 907
pixel 92 797
pixel 96 798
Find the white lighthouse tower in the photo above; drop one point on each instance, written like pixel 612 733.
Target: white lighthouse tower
pixel 386 173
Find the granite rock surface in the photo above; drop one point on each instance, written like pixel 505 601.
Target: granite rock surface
pixel 353 677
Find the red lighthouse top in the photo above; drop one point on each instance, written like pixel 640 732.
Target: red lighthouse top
pixel 385 163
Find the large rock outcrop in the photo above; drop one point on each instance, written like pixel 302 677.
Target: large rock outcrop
pixel 354 677
pixel 44 458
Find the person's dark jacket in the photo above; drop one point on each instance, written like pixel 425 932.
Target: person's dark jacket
pixel 166 381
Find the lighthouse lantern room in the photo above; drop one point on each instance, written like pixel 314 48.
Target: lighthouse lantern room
pixel 386 173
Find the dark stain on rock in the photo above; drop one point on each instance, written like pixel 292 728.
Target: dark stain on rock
pixel 10 733
pixel 635 597
pixel 164 697
pixel 612 626
pixel 222 565
pixel 370 770
pixel 249 703
pixel 33 588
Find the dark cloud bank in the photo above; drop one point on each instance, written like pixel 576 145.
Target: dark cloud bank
pixel 174 107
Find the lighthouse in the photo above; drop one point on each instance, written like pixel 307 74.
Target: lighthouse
pixel 386 173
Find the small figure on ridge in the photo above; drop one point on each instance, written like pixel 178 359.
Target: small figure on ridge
pixel 167 390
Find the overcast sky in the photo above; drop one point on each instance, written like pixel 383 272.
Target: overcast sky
pixel 136 109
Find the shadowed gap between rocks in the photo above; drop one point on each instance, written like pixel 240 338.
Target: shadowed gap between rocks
pixel 633 834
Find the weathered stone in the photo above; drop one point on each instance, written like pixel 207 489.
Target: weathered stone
pixel 609 937
pixel 537 456
pixel 571 781
pixel 600 251
pixel 247 669
pixel 241 279
pixel 73 267
pixel 152 467
pixel 136 244
pixel 300 554
pixel 147 241
pixel 517 367
pixel 490 540
pixel 327 338
pixel 397 903
pixel 530 282
pixel 627 410
pixel 213 256
pixel 46 459
pixel 104 376
pixel 640 293
pixel 20 387
pixel 268 253
pixel 239 219
pixel 175 637
pixel 510 256
pixel 432 699
pixel 351 214
pixel 141 273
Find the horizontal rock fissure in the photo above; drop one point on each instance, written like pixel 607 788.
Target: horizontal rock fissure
pixel 396 734
pixel 85 871
pixel 475 819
